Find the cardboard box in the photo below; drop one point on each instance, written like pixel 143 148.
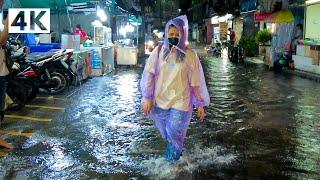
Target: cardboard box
pixel 308 51
pixel 315 55
pixel 315 47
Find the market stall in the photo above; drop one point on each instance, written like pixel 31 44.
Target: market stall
pixel 308 52
pixel 282 22
pixel 127 55
pixel 83 64
pixel 102 50
pixel 102 59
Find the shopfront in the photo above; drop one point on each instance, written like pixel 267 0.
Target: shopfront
pixel 308 52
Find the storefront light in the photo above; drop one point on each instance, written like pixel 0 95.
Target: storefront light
pixel 222 19
pixel 129 28
pixel 215 20
pixel 97 23
pixel 273 28
pixel 123 31
pixel 101 14
pixel 228 16
pixel 312 1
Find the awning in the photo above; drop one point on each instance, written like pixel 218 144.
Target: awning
pixel 283 16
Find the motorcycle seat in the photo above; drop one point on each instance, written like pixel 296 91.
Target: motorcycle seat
pixel 38 56
pixel 18 55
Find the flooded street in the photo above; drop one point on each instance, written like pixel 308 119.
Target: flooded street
pixel 260 125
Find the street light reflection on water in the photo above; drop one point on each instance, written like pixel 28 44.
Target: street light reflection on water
pixel 259 125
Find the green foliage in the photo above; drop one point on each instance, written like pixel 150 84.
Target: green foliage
pixel 249 45
pixel 263 36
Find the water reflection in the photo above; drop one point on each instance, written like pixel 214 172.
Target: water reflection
pixel 260 125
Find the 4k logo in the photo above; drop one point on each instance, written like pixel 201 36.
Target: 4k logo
pixel 34 20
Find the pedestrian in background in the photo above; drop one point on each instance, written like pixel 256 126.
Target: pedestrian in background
pixel 172 85
pixel 232 35
pixel 298 35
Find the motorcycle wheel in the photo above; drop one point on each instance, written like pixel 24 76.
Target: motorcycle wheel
pixel 58 83
pixel 33 93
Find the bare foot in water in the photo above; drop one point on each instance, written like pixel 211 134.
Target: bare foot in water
pixel 3 143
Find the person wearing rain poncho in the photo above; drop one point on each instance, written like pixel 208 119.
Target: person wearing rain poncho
pixel 172 83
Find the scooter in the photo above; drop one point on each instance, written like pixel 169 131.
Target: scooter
pixel 17 91
pixel 284 60
pixel 236 54
pixel 214 49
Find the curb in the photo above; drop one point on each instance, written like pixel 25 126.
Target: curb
pixel 303 74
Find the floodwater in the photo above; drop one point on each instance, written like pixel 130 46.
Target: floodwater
pixel 260 125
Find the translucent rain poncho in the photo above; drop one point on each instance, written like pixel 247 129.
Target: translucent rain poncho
pixel 175 82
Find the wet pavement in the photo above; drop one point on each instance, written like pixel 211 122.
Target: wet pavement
pixel 260 125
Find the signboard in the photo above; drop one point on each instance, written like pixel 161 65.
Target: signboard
pixel 261 16
pixel 223 30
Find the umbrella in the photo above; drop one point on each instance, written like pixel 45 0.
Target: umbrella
pixel 283 16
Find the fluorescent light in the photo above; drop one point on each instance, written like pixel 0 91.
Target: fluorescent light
pixel 101 14
pixel 129 28
pixel 123 31
pixel 96 23
pixel 312 1
pixel 222 19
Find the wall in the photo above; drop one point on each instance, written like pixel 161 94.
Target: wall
pixel 209 31
pixel 249 26
pixel 238 28
pixel 313 22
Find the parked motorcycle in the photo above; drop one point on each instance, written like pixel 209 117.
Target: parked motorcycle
pixel 42 71
pixel 284 60
pixel 236 54
pixel 17 91
pixel 214 49
pixel 51 71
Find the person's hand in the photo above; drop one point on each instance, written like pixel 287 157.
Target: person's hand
pixel 201 113
pixel 147 106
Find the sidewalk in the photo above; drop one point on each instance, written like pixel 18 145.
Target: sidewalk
pixel 297 72
pixel 255 60
pixel 303 74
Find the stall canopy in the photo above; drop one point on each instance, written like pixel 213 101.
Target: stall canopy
pixel 284 16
